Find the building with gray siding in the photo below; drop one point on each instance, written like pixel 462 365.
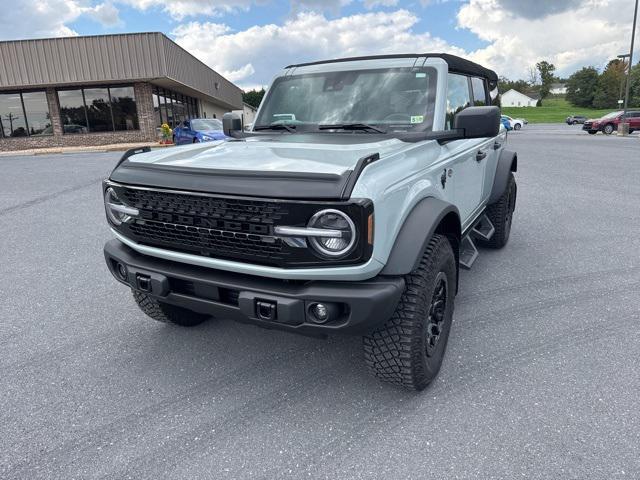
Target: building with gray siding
pixel 104 89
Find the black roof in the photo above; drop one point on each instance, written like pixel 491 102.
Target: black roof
pixel 456 64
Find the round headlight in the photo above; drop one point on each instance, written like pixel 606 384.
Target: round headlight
pixel 337 245
pixel 117 211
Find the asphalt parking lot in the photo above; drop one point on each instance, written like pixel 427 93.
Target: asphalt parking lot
pixel 541 378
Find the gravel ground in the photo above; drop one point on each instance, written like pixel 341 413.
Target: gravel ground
pixel 541 377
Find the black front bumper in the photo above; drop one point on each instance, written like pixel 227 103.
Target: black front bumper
pixel 354 307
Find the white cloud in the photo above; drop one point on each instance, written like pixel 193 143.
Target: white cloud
pixel 566 34
pixel 254 55
pixel 180 9
pixel 35 18
pixel 106 14
pixel 51 18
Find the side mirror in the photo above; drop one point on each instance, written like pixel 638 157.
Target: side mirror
pixel 232 124
pixel 478 122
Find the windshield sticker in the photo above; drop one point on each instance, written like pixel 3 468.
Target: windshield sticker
pixel 417 118
pixel 421 75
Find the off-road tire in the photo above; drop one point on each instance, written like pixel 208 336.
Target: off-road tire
pixel 397 351
pixel 165 313
pixel 608 129
pixel 501 215
pixel 517 126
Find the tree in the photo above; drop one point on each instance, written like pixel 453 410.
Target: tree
pixel 504 85
pixel 634 87
pixel 608 89
pixel 581 87
pixel 253 97
pixel 545 69
pixel 533 75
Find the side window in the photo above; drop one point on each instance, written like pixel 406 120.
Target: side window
pixel 458 97
pixel 185 124
pixel 479 88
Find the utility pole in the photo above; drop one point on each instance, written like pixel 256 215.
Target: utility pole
pixel 633 36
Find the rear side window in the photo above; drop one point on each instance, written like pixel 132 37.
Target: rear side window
pixel 458 97
pixel 479 88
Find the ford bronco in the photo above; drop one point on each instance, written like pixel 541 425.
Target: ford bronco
pixel 362 187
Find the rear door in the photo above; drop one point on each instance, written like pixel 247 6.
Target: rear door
pixel 634 120
pixel 488 149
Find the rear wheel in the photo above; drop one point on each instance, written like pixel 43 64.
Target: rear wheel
pixel 592 132
pixel 408 349
pixel 501 215
pixel 166 313
pixel 574 123
pixel 517 126
pixel 608 129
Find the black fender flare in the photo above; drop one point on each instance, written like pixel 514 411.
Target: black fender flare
pixel 429 216
pixel 507 163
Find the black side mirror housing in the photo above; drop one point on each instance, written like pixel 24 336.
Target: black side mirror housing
pixel 478 122
pixel 232 124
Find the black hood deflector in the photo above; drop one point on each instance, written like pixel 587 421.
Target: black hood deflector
pixel 280 185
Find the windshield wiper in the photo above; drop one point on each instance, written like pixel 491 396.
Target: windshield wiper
pixel 276 126
pixel 351 126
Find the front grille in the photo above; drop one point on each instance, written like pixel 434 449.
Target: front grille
pixel 207 241
pixel 206 225
pixel 233 228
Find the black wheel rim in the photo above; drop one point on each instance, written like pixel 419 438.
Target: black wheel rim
pixel 437 314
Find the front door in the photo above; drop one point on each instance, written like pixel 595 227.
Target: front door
pixel 466 173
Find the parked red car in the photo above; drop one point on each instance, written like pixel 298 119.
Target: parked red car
pixel 609 123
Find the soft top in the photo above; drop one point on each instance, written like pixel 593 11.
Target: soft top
pixel 456 64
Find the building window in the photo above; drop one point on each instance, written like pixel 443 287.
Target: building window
pixel 123 105
pixel 105 109
pixel 98 109
pixel 24 114
pixel 172 108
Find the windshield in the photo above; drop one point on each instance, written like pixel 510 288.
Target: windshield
pixel 399 98
pixel 207 124
pixel 612 115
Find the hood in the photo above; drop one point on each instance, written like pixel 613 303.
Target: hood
pixel 278 166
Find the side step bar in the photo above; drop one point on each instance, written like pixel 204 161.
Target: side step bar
pixel 482 229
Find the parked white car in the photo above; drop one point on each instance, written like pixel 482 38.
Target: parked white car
pixel 516 123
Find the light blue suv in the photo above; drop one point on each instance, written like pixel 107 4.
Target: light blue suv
pixel 362 187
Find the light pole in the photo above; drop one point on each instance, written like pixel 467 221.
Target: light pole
pixel 633 36
pixel 623 81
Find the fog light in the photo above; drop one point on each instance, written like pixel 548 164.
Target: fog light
pixel 320 312
pixel 122 271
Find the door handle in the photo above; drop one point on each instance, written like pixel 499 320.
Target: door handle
pixel 480 155
pixel 496 145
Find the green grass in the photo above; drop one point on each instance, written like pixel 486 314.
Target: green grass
pixel 553 110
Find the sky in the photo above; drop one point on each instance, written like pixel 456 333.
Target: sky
pixel 248 41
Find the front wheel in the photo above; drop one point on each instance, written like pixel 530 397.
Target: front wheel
pixel 592 132
pixel 574 123
pixel 408 349
pixel 608 129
